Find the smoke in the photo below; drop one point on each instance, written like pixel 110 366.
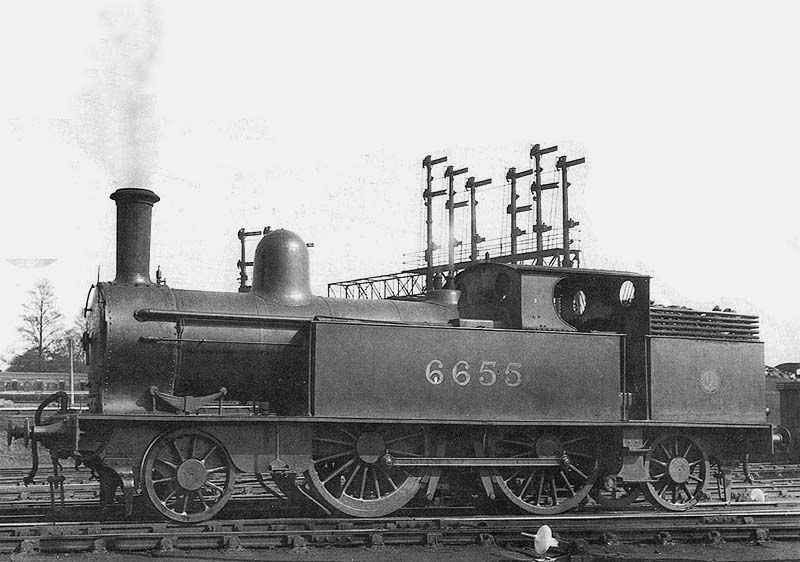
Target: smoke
pixel 30 263
pixel 116 118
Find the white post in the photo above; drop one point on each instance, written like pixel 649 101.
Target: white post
pixel 71 375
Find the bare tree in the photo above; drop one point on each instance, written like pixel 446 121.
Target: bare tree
pixel 41 326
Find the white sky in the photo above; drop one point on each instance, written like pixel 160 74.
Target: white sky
pixel 315 117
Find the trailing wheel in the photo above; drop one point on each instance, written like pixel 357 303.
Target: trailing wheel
pixel 549 489
pixel 188 475
pixel 678 469
pixel 352 470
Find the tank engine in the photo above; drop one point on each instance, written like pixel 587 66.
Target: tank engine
pixel 539 385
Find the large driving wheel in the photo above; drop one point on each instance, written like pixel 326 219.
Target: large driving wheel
pixel 545 490
pixel 188 475
pixel 352 470
pixel 678 469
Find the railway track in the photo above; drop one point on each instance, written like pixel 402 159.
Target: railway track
pixel 28 525
pixel 597 528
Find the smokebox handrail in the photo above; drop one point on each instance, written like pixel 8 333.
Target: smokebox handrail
pixel 155 315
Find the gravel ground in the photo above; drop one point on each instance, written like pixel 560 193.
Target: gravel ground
pixel 731 552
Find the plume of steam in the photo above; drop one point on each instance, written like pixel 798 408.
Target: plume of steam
pixel 31 263
pixel 116 121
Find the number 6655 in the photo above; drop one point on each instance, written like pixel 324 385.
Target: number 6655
pixel 487 375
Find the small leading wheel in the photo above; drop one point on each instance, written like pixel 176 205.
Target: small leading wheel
pixel 610 493
pixel 188 475
pixel 545 490
pixel 351 473
pixel 678 469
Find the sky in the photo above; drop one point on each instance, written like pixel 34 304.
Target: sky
pixel 315 117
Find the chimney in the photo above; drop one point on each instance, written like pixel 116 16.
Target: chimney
pixel 134 209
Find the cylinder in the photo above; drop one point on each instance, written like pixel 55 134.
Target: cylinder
pixel 134 210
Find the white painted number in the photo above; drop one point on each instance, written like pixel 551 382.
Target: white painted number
pixel 488 367
pixel 513 369
pixel 434 376
pixel 462 377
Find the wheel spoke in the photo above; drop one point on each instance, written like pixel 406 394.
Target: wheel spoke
pixel 666 452
pixel 363 481
pixel 186 501
pixel 203 500
pixel 553 491
pixel 659 463
pixel 399 453
pixel 162 480
pixel 513 474
pixel 167 463
pixel 344 430
pixel 338 471
pixel 522 454
pixel 567 482
pixel 390 481
pixel 375 480
pixel 193 450
pixel 581 455
pixel 331 457
pixel 170 495
pixel 519 443
pixel 569 441
pixel 213 486
pixel 541 487
pixel 177 450
pixel 349 445
pixel 689 448
pixel 574 468
pixel 350 480
pixel 209 453
pixel 403 438
pixel 527 483
pixel 216 469
pixel 695 478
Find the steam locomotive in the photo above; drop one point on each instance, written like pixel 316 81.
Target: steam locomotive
pixel 537 385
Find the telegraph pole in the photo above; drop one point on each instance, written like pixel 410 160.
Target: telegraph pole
pixel 475 238
pixel 567 223
pixel 451 205
pixel 512 176
pixel 428 163
pixel 536 190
